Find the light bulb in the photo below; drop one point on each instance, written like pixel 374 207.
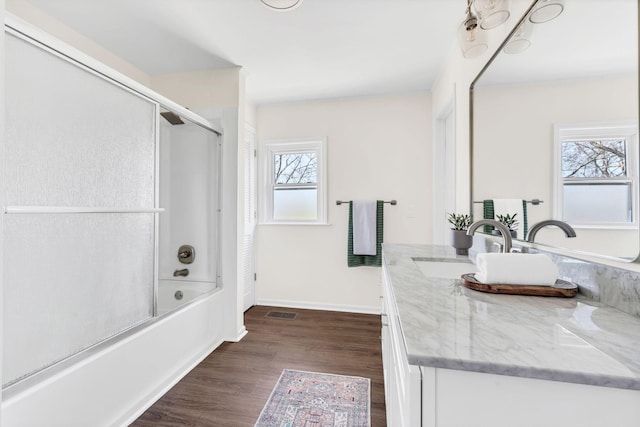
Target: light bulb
pixel 471 35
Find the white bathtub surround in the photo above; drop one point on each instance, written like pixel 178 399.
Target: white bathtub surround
pixel 173 294
pixel 486 347
pixel 115 382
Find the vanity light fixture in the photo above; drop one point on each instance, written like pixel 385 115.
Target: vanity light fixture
pixel 546 10
pixel 480 15
pixel 281 5
pixel 472 40
pixel 520 40
pixel 492 13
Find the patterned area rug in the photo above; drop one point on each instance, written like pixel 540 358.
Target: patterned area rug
pixel 310 399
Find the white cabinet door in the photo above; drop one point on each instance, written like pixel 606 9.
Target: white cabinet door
pixel 453 398
pixel 402 381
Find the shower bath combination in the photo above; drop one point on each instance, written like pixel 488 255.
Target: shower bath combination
pixel 107 176
pixel 188 170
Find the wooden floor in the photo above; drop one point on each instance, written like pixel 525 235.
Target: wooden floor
pixel 231 386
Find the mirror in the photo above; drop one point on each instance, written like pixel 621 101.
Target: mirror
pixel 577 71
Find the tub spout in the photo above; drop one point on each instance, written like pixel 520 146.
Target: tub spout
pixel 181 273
pixel 506 234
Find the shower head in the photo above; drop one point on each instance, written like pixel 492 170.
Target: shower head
pixel 172 118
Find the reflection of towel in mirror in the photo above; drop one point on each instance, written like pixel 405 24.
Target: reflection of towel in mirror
pixel 516 269
pixel 364 227
pixel 495 207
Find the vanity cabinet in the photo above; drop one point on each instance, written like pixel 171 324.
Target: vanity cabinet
pixel 402 381
pixel 418 395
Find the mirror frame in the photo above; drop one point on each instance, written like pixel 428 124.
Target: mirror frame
pixel 562 251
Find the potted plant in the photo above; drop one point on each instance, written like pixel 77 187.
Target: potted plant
pixel 510 222
pixel 459 238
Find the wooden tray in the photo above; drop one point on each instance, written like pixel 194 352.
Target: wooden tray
pixel 561 288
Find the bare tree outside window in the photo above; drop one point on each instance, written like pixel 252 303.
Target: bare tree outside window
pixel 295 168
pixel 295 181
pixel 594 159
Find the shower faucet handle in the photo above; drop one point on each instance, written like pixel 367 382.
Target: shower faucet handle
pixel 186 254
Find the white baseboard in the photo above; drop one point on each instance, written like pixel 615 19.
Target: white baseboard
pixel 241 334
pixel 318 306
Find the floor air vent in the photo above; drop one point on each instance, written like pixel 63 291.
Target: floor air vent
pixel 281 315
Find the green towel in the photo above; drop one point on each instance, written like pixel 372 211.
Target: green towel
pixel 368 260
pixel 488 213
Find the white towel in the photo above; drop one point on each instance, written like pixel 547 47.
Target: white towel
pixel 516 269
pixel 510 206
pixel 364 227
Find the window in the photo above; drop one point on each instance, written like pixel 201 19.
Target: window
pixel 596 172
pixel 294 182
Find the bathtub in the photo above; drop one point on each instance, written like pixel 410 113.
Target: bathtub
pixel 173 294
pixel 112 383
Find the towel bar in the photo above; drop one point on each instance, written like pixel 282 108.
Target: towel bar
pixel 392 202
pixel 534 202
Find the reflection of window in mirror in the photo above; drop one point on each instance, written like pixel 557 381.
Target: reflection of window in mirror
pixel 596 174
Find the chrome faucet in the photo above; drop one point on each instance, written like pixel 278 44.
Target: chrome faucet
pixel 568 230
pixel 181 273
pixel 504 231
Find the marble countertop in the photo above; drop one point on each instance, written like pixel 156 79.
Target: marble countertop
pixel 446 325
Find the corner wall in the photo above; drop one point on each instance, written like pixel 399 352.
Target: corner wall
pixel 457 73
pixel 218 95
pixel 377 148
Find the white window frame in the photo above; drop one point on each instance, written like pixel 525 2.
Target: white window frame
pixel 269 149
pixel 627 130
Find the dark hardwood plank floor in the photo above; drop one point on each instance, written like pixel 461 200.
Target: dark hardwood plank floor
pixel 230 387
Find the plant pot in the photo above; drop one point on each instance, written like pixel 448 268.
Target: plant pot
pixel 514 233
pixel 461 241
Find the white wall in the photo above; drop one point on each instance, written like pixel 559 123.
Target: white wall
pixel 3 203
pixel 523 146
pixel 457 73
pixel 378 148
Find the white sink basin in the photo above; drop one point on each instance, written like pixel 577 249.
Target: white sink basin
pixel 445 269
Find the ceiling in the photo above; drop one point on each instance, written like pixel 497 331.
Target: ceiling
pixel 323 49
pixel 591 38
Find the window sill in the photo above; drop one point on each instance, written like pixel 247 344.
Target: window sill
pixel 605 227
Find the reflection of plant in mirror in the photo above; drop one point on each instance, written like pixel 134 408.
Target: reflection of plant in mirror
pixel 459 221
pixel 509 221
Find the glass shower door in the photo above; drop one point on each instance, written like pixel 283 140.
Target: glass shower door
pixel 80 221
